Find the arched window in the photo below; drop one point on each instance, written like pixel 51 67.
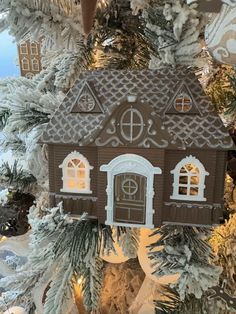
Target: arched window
pixel 33 48
pixel 76 174
pixel 189 180
pixel 23 48
pixel 35 65
pixel 25 64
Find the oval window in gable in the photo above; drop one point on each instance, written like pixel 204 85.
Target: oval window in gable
pixel 131 125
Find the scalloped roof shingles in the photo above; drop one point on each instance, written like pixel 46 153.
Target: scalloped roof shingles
pixel 155 88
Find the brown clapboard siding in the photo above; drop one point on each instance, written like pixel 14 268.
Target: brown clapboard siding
pixel 155 156
pixel 221 157
pixel 77 206
pixel 51 166
pixel 190 216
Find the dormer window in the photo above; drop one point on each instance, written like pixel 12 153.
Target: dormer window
pixel 183 103
pixel 189 180
pixel 76 174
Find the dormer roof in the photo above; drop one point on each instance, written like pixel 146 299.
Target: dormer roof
pixel 200 127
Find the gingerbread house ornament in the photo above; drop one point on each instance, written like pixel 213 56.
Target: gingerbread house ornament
pixel 138 148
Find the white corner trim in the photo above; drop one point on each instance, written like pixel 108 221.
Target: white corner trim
pixel 135 164
pixel 201 185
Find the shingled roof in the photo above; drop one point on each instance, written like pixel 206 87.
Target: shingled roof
pixel 155 88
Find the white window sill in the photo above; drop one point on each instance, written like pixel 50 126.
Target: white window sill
pixel 126 224
pixel 76 191
pixel 187 198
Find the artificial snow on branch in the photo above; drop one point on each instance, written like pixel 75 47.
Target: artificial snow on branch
pixel 57 21
pixel 173 29
pixel 62 250
pixel 185 251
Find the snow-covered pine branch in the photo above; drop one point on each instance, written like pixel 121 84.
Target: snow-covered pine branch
pixel 185 251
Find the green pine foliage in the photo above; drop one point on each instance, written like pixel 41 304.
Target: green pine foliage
pixel 15 177
pixel 119 38
pixel 222 89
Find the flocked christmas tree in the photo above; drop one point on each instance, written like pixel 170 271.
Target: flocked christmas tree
pixel 126 35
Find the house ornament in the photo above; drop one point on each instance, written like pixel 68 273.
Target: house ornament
pixel 220 292
pixel 139 149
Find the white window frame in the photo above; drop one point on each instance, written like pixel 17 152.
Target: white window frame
pixel 132 111
pixel 64 166
pixel 201 185
pixel 33 46
pixel 24 62
pixel 33 63
pixel 22 47
pixel 136 164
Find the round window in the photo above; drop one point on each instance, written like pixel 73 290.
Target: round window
pixel 183 103
pixel 129 186
pixel 86 102
pixel 131 124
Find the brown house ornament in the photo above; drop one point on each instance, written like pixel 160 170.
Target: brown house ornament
pixel 138 148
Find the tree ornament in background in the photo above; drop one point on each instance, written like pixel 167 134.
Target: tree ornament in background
pixel 207 5
pixel 146 263
pixel 15 310
pixel 88 8
pixel 220 35
pixel 224 295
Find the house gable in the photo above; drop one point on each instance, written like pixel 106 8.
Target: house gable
pixel 87 101
pixel 135 124
pixel 182 102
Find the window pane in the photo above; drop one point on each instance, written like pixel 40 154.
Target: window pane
pixel 183 103
pixel 183 179
pixel 76 162
pixel 179 107
pixel 190 167
pixel 183 170
pixel 81 174
pixel 81 185
pixel 183 190
pixel 193 191
pixel 70 173
pixel 81 165
pixel 71 184
pixel 194 180
pixel 70 165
